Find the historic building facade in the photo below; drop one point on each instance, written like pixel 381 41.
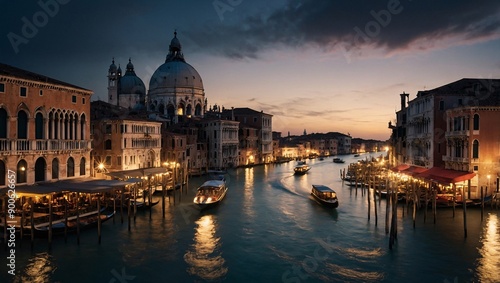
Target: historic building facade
pixel 222 140
pixel 123 142
pixel 263 123
pixel 44 127
pixel 452 127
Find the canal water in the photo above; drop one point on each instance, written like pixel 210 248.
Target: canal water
pixel 269 229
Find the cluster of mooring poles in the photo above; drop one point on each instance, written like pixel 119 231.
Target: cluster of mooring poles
pixel 376 181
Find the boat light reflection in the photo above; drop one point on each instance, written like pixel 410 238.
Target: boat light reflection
pixel 204 257
pixel 489 263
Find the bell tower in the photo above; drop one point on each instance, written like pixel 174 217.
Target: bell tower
pixel 113 78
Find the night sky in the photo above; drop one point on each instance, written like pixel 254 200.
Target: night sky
pixel 319 65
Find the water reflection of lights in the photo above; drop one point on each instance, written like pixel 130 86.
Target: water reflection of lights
pixel 489 263
pixel 39 269
pixel 204 257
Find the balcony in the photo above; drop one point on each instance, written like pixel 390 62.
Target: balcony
pixel 451 134
pixel 15 147
pixel 455 159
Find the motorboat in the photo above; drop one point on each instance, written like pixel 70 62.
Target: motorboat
pixel 325 196
pixel 301 169
pixel 210 193
pixel 338 160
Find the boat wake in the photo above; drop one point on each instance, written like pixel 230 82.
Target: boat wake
pixel 354 274
pixel 284 184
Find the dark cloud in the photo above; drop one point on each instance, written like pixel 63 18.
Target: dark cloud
pixel 76 42
pixel 391 25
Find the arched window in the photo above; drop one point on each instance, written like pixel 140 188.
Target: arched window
pixel 82 166
pixel 3 124
pixel 82 127
pixel 161 108
pixel 39 127
pixel 40 168
pixel 180 109
pixel 57 122
pixel 66 128
pixel 51 126
pixel 3 173
pixel 107 144
pixel 71 122
pixel 197 110
pixel 476 122
pixel 475 149
pixel 70 167
pixel 189 109
pixel 55 168
pixel 22 168
pixel 170 111
pixel 22 125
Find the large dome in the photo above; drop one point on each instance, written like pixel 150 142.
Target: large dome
pixel 175 74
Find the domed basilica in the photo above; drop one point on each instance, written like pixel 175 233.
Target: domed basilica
pixel 175 89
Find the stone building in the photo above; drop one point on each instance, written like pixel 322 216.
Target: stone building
pixel 262 122
pixel 123 142
pixel 44 127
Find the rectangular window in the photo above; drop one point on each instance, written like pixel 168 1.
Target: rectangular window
pixel 108 160
pixel 83 100
pixel 108 129
pixel 41 92
pixel 441 105
pixel 119 160
pixel 2 87
pixel 23 92
pixel 73 98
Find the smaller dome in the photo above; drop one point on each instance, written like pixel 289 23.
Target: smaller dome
pixel 130 83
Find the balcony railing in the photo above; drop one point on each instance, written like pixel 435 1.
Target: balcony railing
pixel 456 159
pixel 456 134
pixel 8 146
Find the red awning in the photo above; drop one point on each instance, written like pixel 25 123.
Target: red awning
pixel 413 170
pixel 400 168
pixel 445 176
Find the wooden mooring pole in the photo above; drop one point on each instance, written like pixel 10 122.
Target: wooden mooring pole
pixel 32 223
pixel 98 219
pixel 50 221
pixel 465 209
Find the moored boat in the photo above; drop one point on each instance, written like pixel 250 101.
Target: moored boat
pixel 210 193
pixel 325 196
pixel 338 160
pixel 85 221
pixel 301 169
